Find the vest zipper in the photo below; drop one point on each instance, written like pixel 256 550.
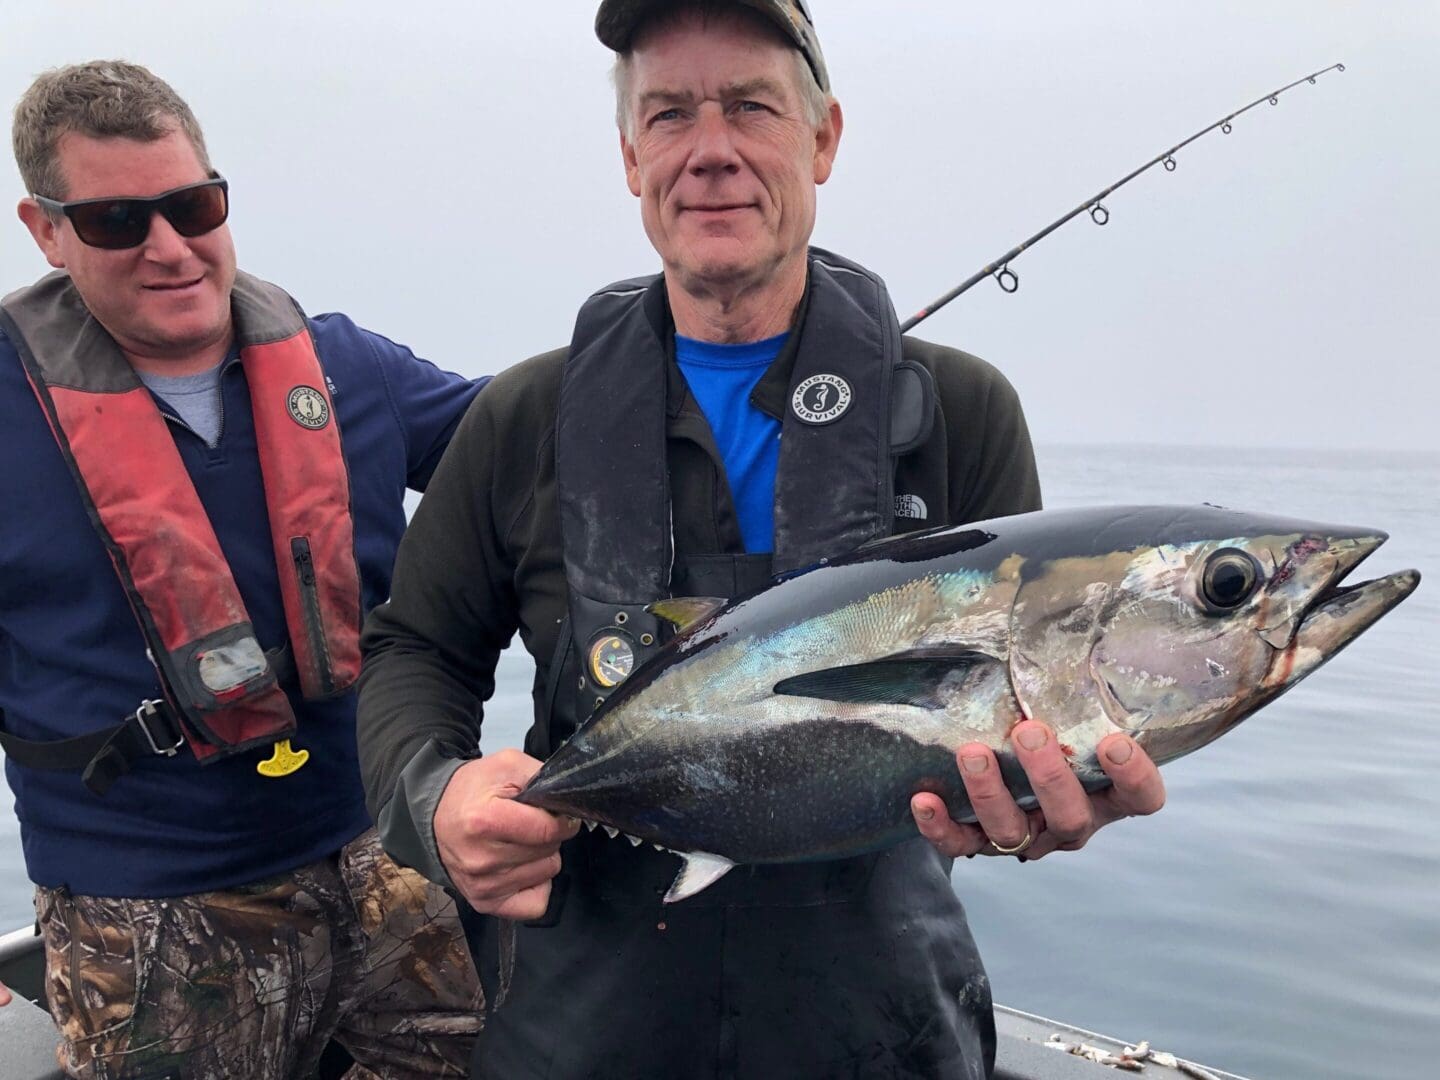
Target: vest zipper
pixel 314 623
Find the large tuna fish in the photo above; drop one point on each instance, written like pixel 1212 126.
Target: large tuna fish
pixel 795 723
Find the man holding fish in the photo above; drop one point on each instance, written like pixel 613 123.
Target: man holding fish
pixel 646 462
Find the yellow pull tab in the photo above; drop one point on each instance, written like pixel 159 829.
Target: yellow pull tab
pixel 284 761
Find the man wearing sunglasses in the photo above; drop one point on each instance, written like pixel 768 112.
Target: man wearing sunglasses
pixel 647 461
pixel 203 494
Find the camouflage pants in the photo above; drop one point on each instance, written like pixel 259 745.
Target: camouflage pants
pixel 253 982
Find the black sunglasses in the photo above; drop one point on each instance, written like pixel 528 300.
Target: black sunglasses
pixel 192 210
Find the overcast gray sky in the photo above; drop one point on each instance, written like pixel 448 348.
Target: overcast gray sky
pixel 447 173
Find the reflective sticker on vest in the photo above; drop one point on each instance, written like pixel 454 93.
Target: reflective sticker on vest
pixel 821 399
pixel 308 407
pixel 227 666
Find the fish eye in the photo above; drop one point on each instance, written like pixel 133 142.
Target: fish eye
pixel 1230 578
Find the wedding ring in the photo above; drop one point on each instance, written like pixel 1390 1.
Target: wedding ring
pixel 1018 848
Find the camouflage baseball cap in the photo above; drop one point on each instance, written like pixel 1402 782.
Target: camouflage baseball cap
pixel 617 21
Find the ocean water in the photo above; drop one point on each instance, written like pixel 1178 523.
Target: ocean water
pixel 1280 918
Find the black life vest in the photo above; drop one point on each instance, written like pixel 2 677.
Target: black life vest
pixel 855 406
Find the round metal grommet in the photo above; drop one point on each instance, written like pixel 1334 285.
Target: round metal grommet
pixel 621 618
pixel 647 639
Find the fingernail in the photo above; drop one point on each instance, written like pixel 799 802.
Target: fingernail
pixel 975 763
pixel 924 813
pixel 1119 750
pixel 1033 738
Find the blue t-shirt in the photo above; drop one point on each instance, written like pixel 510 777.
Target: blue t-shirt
pixel 722 377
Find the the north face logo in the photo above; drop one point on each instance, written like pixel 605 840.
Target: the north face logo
pixel 911 506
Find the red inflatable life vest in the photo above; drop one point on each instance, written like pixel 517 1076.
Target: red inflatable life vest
pixel 145 508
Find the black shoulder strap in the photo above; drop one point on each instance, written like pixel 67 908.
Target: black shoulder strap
pixel 613 481
pixel 853 406
pixel 610 465
pixel 834 489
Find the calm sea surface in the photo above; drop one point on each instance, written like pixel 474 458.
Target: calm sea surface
pixel 1281 917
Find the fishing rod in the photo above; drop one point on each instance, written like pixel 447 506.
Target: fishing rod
pixel 1009 281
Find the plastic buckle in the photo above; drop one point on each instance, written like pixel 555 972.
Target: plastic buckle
pixel 146 711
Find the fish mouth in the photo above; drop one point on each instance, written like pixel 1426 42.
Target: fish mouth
pixel 1341 612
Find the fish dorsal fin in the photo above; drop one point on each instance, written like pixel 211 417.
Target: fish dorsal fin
pixel 684 612
pixel 925 678
pixel 699 873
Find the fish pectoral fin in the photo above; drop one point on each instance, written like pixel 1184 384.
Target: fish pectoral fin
pixel 699 873
pixel 682 612
pixel 924 679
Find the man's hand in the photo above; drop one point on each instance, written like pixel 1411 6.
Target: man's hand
pixel 500 854
pixel 1066 818
pixel 4 995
